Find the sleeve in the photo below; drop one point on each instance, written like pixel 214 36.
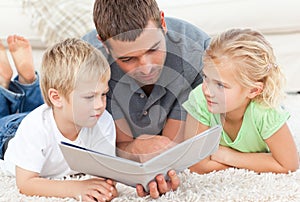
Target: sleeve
pixel 177 112
pixel 271 121
pixel 196 106
pixel 26 148
pixel 112 105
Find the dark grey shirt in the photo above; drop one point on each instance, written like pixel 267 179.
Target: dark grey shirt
pixel 181 73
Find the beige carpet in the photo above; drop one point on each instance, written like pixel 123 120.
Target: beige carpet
pixel 229 185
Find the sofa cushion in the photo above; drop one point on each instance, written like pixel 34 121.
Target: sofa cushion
pixel 215 16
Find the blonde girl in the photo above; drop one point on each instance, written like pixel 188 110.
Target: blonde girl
pixel 242 90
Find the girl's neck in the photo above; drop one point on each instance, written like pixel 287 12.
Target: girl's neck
pixel 232 121
pixel 235 115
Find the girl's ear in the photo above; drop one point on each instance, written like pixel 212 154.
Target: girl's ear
pixel 256 90
pixel 55 98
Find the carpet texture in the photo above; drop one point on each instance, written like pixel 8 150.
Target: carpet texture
pixel 230 185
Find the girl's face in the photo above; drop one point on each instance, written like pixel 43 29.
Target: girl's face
pixel 86 103
pixel 222 91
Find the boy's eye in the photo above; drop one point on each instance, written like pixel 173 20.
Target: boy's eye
pixel 89 97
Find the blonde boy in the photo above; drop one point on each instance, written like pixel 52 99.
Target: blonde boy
pixel 74 81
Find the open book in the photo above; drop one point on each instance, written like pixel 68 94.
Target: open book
pixel 129 172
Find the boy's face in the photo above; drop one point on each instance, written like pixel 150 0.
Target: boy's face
pixel 87 102
pixel 142 59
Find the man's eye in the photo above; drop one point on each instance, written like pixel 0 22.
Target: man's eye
pixel 126 60
pixel 152 50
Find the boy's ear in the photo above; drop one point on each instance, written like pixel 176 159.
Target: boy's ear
pixel 54 97
pixel 256 90
pixel 103 44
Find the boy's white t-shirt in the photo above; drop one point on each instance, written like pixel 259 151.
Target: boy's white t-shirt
pixel 35 145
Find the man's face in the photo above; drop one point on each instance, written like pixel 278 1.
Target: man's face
pixel 142 59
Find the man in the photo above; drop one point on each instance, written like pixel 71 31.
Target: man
pixel 155 62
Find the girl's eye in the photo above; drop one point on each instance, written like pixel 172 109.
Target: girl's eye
pixel 220 85
pixel 204 77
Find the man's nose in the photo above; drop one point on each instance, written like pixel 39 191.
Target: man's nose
pixel 145 64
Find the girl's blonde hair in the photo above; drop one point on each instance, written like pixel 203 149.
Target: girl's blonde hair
pixel 253 59
pixel 69 61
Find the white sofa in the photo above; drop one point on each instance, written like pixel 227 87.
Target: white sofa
pixel 55 19
pixel 278 20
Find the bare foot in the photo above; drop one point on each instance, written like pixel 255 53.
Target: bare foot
pixel 21 52
pixel 5 69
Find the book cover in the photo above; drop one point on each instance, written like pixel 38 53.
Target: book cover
pixel 131 173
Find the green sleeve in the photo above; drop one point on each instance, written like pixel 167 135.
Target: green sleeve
pixel 196 106
pixel 270 121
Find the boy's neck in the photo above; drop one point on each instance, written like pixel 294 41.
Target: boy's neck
pixel 67 129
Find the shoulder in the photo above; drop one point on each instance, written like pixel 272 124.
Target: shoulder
pixel 267 120
pixel 91 38
pixel 263 112
pixel 196 100
pixel 38 125
pixel 179 28
pixel 37 116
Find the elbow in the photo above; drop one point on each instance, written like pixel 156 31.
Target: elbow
pixel 294 167
pixel 290 168
pixel 22 189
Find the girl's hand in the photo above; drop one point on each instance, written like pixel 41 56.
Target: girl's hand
pixel 223 155
pixel 96 189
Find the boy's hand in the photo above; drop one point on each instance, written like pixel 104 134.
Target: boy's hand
pixel 97 189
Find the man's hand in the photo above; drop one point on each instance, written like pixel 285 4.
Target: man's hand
pixel 160 185
pixel 146 147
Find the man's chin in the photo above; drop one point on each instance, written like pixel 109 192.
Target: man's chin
pixel 147 82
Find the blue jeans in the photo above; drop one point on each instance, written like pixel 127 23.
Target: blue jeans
pixel 15 103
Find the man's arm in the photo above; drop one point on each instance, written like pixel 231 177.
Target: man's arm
pixel 174 130
pixel 147 146
pixel 131 148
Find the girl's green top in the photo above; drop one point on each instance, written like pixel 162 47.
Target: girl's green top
pixel 259 122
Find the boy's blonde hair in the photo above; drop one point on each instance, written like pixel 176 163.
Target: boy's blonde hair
pixel 68 61
pixel 253 59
